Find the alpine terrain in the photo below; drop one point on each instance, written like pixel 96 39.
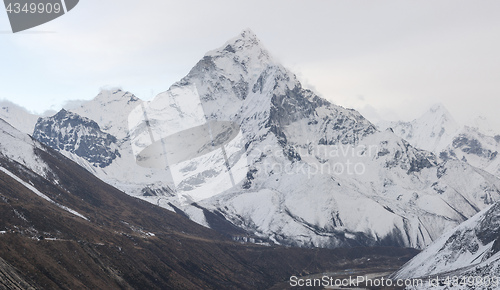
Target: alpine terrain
pixel 471 252
pixel 238 145
pixel 63 228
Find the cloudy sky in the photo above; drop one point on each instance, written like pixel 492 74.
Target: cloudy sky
pixel 388 59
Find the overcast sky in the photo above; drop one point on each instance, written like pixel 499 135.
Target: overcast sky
pixel 391 59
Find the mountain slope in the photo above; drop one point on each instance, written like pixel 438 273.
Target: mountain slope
pixel 283 164
pixel 470 250
pixel 62 228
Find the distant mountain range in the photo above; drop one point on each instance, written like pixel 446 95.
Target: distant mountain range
pixel 475 143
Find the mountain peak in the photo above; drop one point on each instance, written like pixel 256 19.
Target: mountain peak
pixel 63 114
pixel 439 110
pixel 432 131
pixel 438 107
pixel 438 114
pixel 244 48
pixel 110 109
pixel 62 111
pixel 73 133
pixel 249 34
pixel 246 39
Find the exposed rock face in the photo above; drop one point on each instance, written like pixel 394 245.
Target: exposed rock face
pixel 473 146
pixel 72 133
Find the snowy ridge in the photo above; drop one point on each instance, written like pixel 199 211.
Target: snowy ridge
pixel 18 117
pixel 320 209
pixel 20 147
pixel 103 110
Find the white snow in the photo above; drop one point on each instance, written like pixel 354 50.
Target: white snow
pixel 433 131
pixel 483 125
pixel 110 109
pixel 437 131
pixel 460 253
pixel 439 257
pixel 19 147
pixel 18 117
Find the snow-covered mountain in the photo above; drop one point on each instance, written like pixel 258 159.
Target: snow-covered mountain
pixel 63 228
pixel 436 131
pixel 433 131
pixel 18 117
pixel 314 173
pixel 470 250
